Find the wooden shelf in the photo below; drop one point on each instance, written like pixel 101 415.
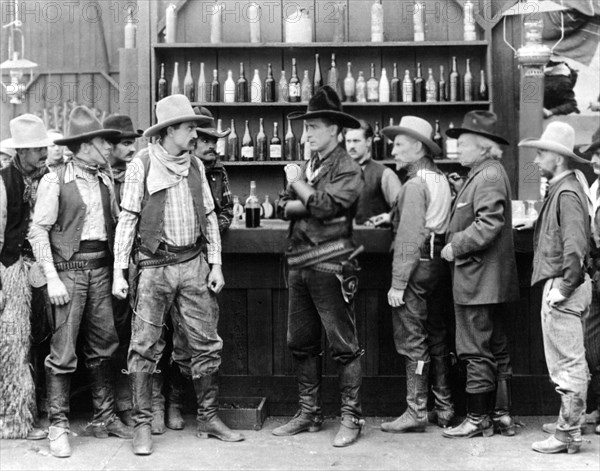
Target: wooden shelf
pixel 346 104
pixel 322 45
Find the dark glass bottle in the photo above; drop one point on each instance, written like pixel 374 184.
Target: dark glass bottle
pixel 469 88
pixel 270 86
pixel 317 77
pixel 443 85
pixel 247 149
pixel 454 82
pixel 233 149
pixel 291 143
pixel 242 86
pixel 333 77
pixel 377 148
pixel 275 147
pixel 437 135
pixel 188 83
pixel 419 85
pixel 261 151
pixel 294 94
pixel 215 87
pixel 395 86
pixel 162 87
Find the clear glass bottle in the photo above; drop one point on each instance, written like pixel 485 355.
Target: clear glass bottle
pixel 419 21
pixel 229 92
pixel 377 22
pixel 373 86
pixel 431 88
pixel 283 87
pixel 470 32
pixel 361 88
pixel 318 76
pixel 384 87
pixel 175 87
pixel 407 88
pixel 130 30
pixel 443 85
pixel 188 83
pixel 469 89
pixel 202 92
pixel 349 85
pixel 484 94
pixel 454 81
pixel 252 208
pixel 256 88
pixel 333 77
pixel 267 208
pixel 238 212
pixel 306 88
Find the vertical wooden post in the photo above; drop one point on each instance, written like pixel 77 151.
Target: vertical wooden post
pixel 129 91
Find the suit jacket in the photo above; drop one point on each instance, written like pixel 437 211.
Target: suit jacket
pixel 480 230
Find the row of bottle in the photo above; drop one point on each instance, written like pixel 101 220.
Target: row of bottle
pixel 382 90
pixel 290 148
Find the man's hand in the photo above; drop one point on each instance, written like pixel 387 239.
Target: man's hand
pixel 455 181
pixel 523 226
pixel 215 279
pixel 379 220
pixel 396 297
pixel 120 286
pixel 448 253
pixel 57 292
pixel 554 297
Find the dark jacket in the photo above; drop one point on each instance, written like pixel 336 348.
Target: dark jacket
pixel 219 187
pixel 371 201
pixel 18 212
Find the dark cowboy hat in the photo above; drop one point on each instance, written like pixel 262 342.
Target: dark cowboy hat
pixel 83 126
pixel 209 127
pixel 478 122
pixel 123 124
pixel 591 148
pixel 326 104
pixel 416 128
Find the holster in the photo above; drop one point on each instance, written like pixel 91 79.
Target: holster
pixel 346 271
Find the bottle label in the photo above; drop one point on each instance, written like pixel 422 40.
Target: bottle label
pixel 275 151
pixel 248 153
pixel 294 90
pixel 372 91
pixel 431 95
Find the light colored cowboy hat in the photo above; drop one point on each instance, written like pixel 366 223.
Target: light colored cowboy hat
pixel 209 129
pixel 414 127
pixel 172 110
pixel 7 150
pixel 123 124
pixel 326 104
pixel 480 122
pixel 558 137
pixel 83 126
pixel 54 136
pixel 27 132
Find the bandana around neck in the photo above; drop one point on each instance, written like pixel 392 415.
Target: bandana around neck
pixel 166 170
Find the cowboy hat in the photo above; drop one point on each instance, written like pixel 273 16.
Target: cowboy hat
pixel 84 126
pixel 416 128
pixel 27 132
pixel 326 104
pixel 559 138
pixel 7 150
pixel 480 122
pixel 209 128
pixel 171 110
pixel 123 124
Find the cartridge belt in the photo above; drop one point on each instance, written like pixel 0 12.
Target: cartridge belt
pixel 170 255
pixel 320 253
pixel 91 264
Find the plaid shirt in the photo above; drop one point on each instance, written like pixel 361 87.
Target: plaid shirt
pixel 181 226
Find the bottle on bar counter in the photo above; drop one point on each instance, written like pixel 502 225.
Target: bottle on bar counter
pixel 247 149
pixel 437 135
pixel 454 81
pixel 221 142
pixel 242 86
pixel 333 77
pixel 349 85
pixel 238 212
pixel 372 86
pixel 175 87
pixel 294 93
pixel 291 144
pixel 361 88
pixel 484 94
pixel 317 77
pixel 419 20
pixel 395 86
pixel 252 208
pixel 270 86
pixel 215 87
pixel 431 88
pixel 261 150
pixel 306 88
pixel 233 150
pixel 229 92
pixel 202 92
pixel 377 148
pixel 469 89
pixel 256 88
pixel 162 86
pixel 283 87
pixel 275 151
pixel 377 22
pixel 188 83
pixel 407 88
pixel 442 85
pixel 419 85
pixel 267 208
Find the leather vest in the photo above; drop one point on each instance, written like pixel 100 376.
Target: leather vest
pixel 18 212
pixel 371 201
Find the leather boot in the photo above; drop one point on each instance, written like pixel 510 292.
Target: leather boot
pixel 439 374
pixel 503 422
pixel 477 422
pixel 59 442
pixel 58 388
pixel 309 417
pixel 141 390
pixel 105 422
pixel 209 423
pixel 550 427
pixel 158 405
pixel 559 442
pixel 414 418
pixel 176 387
pixel 568 432
pixel 350 380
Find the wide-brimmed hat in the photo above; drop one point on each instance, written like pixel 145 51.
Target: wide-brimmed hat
pixel 7 150
pixel 172 110
pixel 54 136
pixel 558 137
pixel 416 128
pixel 479 122
pixel 83 126
pixel 123 124
pixel 326 104
pixel 27 132
pixel 209 128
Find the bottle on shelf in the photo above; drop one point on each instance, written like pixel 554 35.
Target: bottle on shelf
pixel 442 85
pixel 216 23
pixel 372 86
pixel 275 151
pixel 130 30
pixel 377 22
pixel 242 86
pixel 377 147
pixel 349 85
pixel 318 76
pixel 221 142
pixel 202 92
pixel 419 20
pixel 306 88
pixel 170 23
pixel 267 208
pixel 454 81
pixel 215 88
pixel 419 85
pixel 451 145
pixel 238 212
pixel 247 149
pixel 470 33
pixel 283 87
pixel 256 88
pixel 469 89
pixel 261 149
pixel 253 14
pixel 305 152
pixel 437 135
pixel 361 88
pixel 407 88
pixel 395 86
pixel 384 87
pixel 291 151
pixel 484 94
pixel 333 77
pixel 270 86
pixel 175 87
pixel 229 88
pixel 294 93
pixel 252 208
pixel 188 83
pixel 431 88
pixel 162 86
pixel 233 149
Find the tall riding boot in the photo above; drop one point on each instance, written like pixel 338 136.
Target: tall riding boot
pixel 158 404
pixel 503 422
pixel 58 388
pixel 105 422
pixel 478 422
pixel 568 431
pixel 414 418
pixel 209 423
pixel 141 390
pixel 176 389
pixel 309 417
pixel 439 374
pixel 350 379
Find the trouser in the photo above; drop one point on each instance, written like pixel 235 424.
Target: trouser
pixel 562 330
pixel 122 315
pixel 481 342
pixel 41 309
